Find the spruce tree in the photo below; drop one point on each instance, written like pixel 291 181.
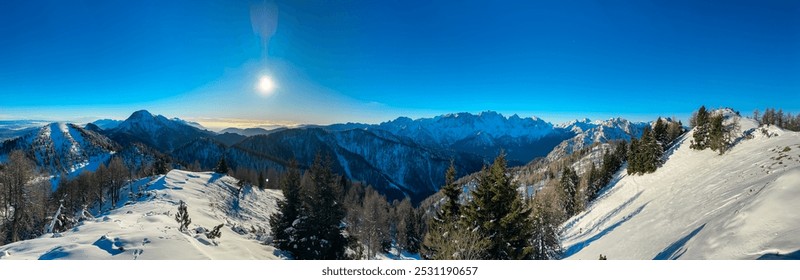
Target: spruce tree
pixel 281 222
pixel 319 226
pixel 438 242
pixel 634 162
pixel 700 123
pixel 498 213
pixel 569 188
pixel 660 132
pixel 650 152
pixel 261 181
pixel 222 166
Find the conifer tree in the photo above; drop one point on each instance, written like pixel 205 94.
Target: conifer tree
pixel 281 222
pixel 319 226
pixel 569 187
pixel 634 162
pixel 660 132
pixel 222 166
pixel 438 241
pixel 700 123
pixel 261 181
pixel 182 217
pixel 650 152
pixel 498 212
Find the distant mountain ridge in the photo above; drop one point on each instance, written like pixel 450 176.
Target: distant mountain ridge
pixel 402 157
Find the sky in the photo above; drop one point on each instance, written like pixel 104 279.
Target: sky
pixel 373 61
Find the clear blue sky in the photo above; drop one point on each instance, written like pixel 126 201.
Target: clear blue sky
pixel 371 61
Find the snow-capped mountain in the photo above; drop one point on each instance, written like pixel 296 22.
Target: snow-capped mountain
pixel 62 147
pixel 589 132
pixel 700 205
pixel 484 134
pixel 146 229
pixel 156 131
pixel 106 124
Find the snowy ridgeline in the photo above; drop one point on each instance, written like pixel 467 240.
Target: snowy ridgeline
pixel 147 229
pixel 700 205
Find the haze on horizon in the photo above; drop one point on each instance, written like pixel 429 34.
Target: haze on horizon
pixel 261 63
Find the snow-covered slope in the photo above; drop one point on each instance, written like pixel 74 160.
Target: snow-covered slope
pixel 700 205
pixel 62 147
pixel 147 229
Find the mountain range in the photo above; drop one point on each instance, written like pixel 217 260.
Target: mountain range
pixel 402 157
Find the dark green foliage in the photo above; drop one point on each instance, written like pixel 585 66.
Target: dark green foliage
pixel 716 133
pixel 318 227
pixel 660 132
pixel 712 132
pixel 222 166
pixel 450 190
pixel 261 181
pixel 161 166
pixel 700 123
pixel 182 217
pixel 215 233
pixel 413 240
pixel 498 213
pixel 283 233
pixel 437 244
pixel 644 155
pixel 569 188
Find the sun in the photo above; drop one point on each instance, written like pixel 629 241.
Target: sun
pixel 265 85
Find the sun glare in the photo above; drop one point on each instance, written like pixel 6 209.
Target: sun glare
pixel 265 85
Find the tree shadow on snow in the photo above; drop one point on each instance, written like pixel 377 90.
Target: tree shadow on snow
pixel 778 256
pixel 677 248
pixel 577 247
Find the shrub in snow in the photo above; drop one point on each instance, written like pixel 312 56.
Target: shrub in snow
pixel 182 217
pixel 215 233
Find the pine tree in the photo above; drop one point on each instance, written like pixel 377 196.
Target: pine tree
pixel 650 152
pixel 498 213
pixel 261 181
pixel 319 226
pixel 282 222
pixel 450 190
pixel 700 123
pixel 660 132
pixel 182 217
pixel 569 187
pixel 438 244
pixel 634 162
pixel 222 166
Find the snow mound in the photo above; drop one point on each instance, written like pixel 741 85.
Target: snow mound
pixel 700 205
pixel 147 228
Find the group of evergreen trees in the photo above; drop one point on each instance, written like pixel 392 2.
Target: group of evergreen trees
pixel 644 154
pixel 308 223
pixel 711 131
pixel 778 118
pixel 599 177
pixel 496 223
